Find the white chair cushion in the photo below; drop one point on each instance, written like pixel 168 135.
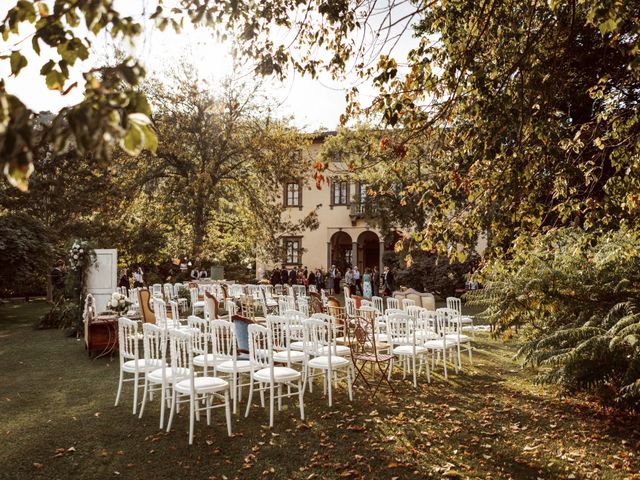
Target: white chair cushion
pixel 453 338
pixel 323 362
pixel 426 335
pixel 339 350
pixel 202 384
pixel 408 350
pixel 294 356
pixel 198 360
pixel 152 364
pixel 241 366
pixel 198 304
pixel 299 345
pixel 156 375
pixel 280 374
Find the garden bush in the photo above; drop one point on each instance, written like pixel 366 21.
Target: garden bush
pixel 576 296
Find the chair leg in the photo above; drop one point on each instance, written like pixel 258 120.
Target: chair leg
pixel 413 361
pixel 120 382
pixel 209 399
pixel 192 415
pixel 280 395
pixel 172 412
pixel 234 392
pixel 301 400
pixel 444 356
pixel 330 381
pixel 144 396
pixel 246 414
pixel 349 373
pixel 271 403
pixel 227 411
pixel 470 356
pixel 163 399
pixel 136 378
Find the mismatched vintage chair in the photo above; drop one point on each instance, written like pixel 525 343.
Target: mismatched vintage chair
pixel 144 297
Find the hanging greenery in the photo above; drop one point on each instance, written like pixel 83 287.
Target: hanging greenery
pixel 67 312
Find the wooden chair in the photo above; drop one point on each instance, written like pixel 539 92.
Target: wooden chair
pixel 211 306
pixel 144 297
pixel 315 303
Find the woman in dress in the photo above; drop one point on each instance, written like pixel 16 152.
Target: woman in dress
pixel 367 290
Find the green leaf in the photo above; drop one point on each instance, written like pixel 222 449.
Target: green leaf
pixel 55 80
pixel 18 62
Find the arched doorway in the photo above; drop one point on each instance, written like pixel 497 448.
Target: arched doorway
pixel 341 250
pixel 368 250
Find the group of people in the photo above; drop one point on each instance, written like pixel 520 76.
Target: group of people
pixel 371 283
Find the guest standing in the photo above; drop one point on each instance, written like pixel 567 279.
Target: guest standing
pixel 376 281
pixel 366 283
pixel 387 278
pixel 138 278
pixel 58 275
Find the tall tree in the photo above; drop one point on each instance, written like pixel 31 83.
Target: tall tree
pixel 220 164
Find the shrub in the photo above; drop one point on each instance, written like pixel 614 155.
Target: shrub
pixel 27 255
pixel 577 296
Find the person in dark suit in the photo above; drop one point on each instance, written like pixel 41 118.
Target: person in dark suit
pixel 293 276
pixel 387 278
pixel 275 276
pixel 311 278
pixel 58 275
pixel 376 281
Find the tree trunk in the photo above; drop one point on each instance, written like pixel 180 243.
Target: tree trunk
pixel 199 224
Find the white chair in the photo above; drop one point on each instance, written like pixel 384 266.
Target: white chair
pixel 319 342
pixel 454 333
pixel 205 389
pixel 133 298
pixel 350 307
pixel 407 303
pixel 313 289
pixel 231 308
pixel 366 303
pixel 196 304
pixel 295 318
pixel 200 329
pixel 224 346
pixel 440 345
pixel 281 331
pixel 455 303
pixel 156 290
pixel 401 331
pixel 130 361
pixel 278 289
pixel 392 303
pixel 303 306
pixel 267 374
pixel 337 331
pixel 169 294
pixel 155 350
pixel 414 311
pixel 378 304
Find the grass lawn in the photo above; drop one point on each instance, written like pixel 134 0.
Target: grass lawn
pixel 58 421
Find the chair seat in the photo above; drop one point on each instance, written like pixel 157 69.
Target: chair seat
pixel 294 356
pixel 381 337
pixel 198 360
pixel 198 304
pixel 297 345
pixel 156 375
pixel 409 350
pixel 202 385
pixel 323 362
pixel 241 366
pixel 370 357
pixel 438 344
pixel 152 364
pixel 466 320
pixel 426 335
pixel 453 337
pixel 280 374
pixel 338 350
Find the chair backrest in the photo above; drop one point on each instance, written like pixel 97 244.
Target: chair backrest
pixel 247 307
pixel 454 303
pixel 347 291
pixel 303 305
pixel 193 292
pixel 362 339
pixel 168 291
pixel 148 316
pixel 128 339
pixel 241 329
pixel 156 290
pixel 260 349
pixel 175 313
pixel 337 325
pixel 427 321
pixel 315 303
pixel 181 347
pixel 280 333
pixel 231 308
pixel 401 329
pixel 368 312
pixel 210 306
pixel 313 289
pixel 223 339
pixel 414 311
pixel 277 289
pixel 317 336
pixel 350 306
pixel 452 320
pixel 160 311
pixel 133 297
pixel 366 303
pixel 392 303
pixel 407 303
pixel 201 335
pixel 378 304
pixel 154 342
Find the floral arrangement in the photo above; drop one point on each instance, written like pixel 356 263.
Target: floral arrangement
pixel 119 303
pixel 77 254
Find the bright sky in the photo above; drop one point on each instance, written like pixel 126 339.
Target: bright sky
pixel 314 104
